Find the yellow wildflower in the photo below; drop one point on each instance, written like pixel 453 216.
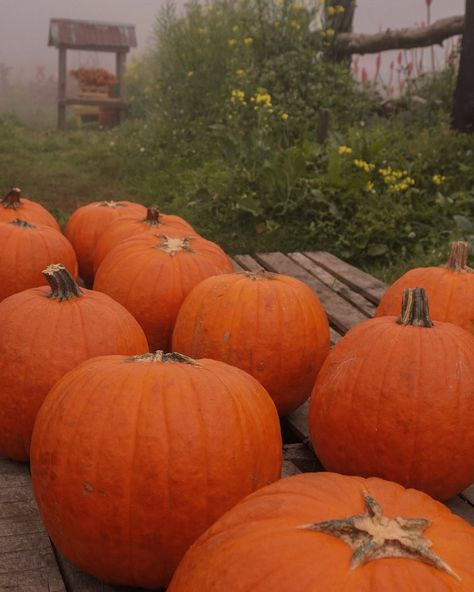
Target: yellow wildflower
pixel 237 95
pixel 284 116
pixel 231 42
pixel 370 186
pixel 330 10
pixel 339 9
pixel 438 179
pixel 248 40
pixel 264 99
pixel 362 164
pixel 330 32
pixel 235 28
pixel 190 73
pixel 344 150
pixel 240 72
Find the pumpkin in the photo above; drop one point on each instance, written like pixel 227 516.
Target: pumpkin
pixel 86 225
pixel 47 331
pixel 132 458
pixel 324 532
pixel 450 289
pixel 395 399
pixel 14 206
pixel 151 274
pixel 124 228
pixel 26 250
pixel 272 326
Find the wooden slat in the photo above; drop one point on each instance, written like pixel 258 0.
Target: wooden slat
pixel 361 282
pixel 468 495
pixel 27 562
pixel 461 508
pixel 236 266
pixel 341 314
pixel 102 102
pixel 248 263
pixel 359 301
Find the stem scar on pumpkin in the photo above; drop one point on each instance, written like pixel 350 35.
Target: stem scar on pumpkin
pixel 375 536
pixel 161 356
pixel 261 274
pixel 173 245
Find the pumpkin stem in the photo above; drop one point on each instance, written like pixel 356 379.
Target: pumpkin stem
pixel 153 216
pixel 161 356
pixel 12 199
pixel 63 285
pixel 261 274
pixel 21 223
pixel 415 309
pixel 458 257
pixel 374 536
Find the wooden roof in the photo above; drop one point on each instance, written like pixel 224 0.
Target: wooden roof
pixel 91 35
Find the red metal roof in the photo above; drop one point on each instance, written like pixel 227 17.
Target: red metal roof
pixel 91 35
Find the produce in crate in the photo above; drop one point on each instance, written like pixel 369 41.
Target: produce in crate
pixel 152 273
pixel 86 225
pixel 324 532
pixel 45 332
pixel 270 325
pixel 26 250
pixel 14 205
pixel 450 289
pixel 132 458
pixel 124 228
pixel 395 399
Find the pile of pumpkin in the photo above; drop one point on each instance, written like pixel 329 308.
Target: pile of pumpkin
pixel 140 458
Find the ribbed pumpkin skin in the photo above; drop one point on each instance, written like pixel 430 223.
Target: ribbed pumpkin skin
pixel 451 294
pixel 41 339
pixel 257 546
pixel 397 402
pixel 124 228
pixel 28 210
pixel 152 283
pixel 132 461
pixel 271 326
pixel 26 251
pixel 86 225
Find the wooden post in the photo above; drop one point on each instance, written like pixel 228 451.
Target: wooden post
pixel 120 62
pixel 62 88
pixel 463 109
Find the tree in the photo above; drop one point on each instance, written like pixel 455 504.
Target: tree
pixel 463 111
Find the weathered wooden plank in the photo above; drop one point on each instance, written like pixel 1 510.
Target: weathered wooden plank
pixel 461 508
pixel 297 421
pixel 359 301
pixel 341 314
pixel 27 562
pixel 248 263
pixel 359 280
pixel 468 494
pixel 288 469
pixel 237 267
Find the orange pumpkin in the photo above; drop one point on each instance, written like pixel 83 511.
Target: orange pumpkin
pixel 450 289
pixel 45 332
pixel 86 225
pixel 272 326
pixel 395 399
pixel 14 206
pixel 133 458
pixel 323 532
pixel 151 274
pixel 124 228
pixel 26 250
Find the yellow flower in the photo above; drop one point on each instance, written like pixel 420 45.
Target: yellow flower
pixel 231 42
pixel 370 186
pixel 264 99
pixel 330 10
pixel 248 40
pixel 438 179
pixel 240 72
pixel 344 150
pixel 366 166
pixel 330 32
pixel 235 28
pixel 284 116
pixel 339 9
pixel 190 73
pixel 237 95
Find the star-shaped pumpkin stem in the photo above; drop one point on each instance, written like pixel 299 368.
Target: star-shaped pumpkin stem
pixel 375 536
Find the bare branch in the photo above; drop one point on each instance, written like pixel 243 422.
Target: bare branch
pixel 435 33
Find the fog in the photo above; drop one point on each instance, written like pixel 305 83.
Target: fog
pixel 24 25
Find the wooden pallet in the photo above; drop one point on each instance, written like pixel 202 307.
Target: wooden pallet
pixel 28 562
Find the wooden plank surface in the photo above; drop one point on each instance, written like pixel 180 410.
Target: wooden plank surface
pixel 248 263
pixel 27 562
pixel 359 280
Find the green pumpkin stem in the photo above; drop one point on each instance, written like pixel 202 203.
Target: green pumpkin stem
pixel 63 285
pixel 459 255
pixel 12 199
pixel 153 216
pixel 415 309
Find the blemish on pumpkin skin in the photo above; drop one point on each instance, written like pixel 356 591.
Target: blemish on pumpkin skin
pixel 87 487
pixel 227 336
